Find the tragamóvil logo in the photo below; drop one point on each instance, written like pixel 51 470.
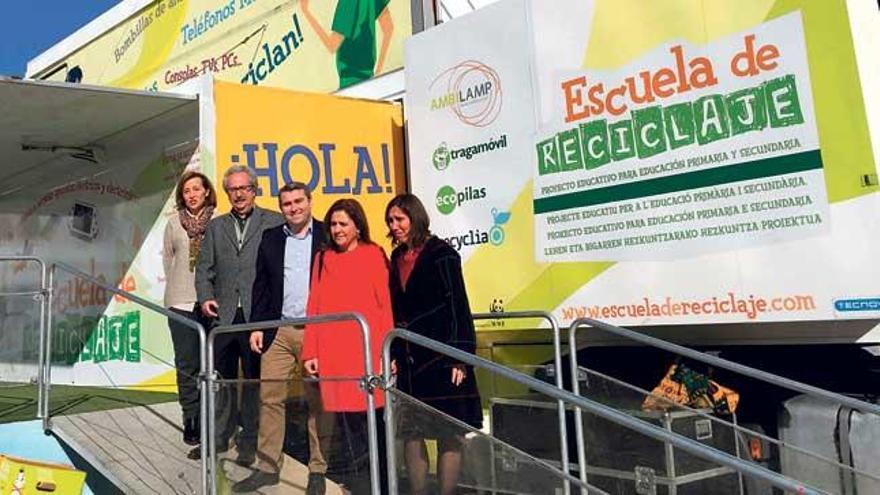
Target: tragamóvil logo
pixel 443 156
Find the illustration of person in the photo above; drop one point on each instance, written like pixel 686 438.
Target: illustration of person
pixel 352 37
pixel 18 484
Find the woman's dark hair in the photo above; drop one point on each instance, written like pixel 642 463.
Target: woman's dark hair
pixel 210 199
pixel 419 223
pixel 355 211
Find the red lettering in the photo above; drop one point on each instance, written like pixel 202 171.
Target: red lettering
pixel 574 105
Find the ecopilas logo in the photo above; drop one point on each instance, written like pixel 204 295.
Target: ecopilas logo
pixel 448 199
pixel 471 90
pixel 443 156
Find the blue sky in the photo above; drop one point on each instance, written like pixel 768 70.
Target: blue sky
pixel 28 27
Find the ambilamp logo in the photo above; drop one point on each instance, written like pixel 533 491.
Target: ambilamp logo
pixel 448 199
pixel 470 90
pixel 443 156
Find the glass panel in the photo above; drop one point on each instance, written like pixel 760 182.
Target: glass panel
pixel 114 387
pixel 487 463
pixel 295 436
pixel 20 315
pixel 806 450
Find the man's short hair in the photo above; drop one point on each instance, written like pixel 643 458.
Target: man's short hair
pixel 294 186
pixel 238 169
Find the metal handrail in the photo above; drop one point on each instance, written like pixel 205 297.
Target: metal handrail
pixel 372 435
pixel 557 363
pixel 46 377
pixel 43 293
pixel 696 356
pixel 600 410
pixel 718 362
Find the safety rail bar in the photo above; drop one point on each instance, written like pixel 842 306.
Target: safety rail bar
pixel 696 356
pixel 557 364
pixel 605 412
pixel 43 293
pixel 372 436
pixel 45 379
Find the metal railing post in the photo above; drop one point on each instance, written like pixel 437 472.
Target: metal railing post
pixel 47 372
pixel 42 293
pixel 41 350
pixel 206 468
pixel 557 365
pixel 211 414
pixel 390 427
pixel 372 427
pixel 605 412
pixel 578 414
pixel 47 357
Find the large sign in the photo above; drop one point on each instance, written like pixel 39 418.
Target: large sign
pixel 712 167
pixel 339 147
pixel 685 151
pixel 470 112
pixel 313 45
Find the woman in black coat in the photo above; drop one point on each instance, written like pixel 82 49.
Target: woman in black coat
pixel 428 297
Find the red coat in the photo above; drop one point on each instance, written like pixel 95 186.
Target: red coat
pixel 352 281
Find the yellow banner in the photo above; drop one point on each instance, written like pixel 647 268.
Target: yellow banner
pixel 296 44
pixel 340 147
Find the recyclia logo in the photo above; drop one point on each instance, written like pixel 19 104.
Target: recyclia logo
pixel 470 90
pixel 443 156
pixel 448 199
pixel 476 236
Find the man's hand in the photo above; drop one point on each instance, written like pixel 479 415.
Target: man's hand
pixel 304 4
pixel 257 341
pixel 311 366
pixel 458 374
pixel 209 308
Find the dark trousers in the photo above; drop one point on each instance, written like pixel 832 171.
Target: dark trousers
pixel 353 428
pixel 186 359
pixel 229 349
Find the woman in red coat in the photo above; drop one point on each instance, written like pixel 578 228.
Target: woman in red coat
pixel 350 276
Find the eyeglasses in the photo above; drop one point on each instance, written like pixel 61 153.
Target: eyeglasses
pixel 233 190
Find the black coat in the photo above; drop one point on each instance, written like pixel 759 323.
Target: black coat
pixel 435 304
pixel 268 290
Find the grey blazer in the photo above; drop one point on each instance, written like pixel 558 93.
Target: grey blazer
pixel 224 272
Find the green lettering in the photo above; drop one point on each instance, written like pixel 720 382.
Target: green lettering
pixel 711 119
pixel 594 137
pixel 133 331
pixel 548 156
pixel 679 120
pixel 648 129
pixel 747 110
pixel 783 102
pixel 570 154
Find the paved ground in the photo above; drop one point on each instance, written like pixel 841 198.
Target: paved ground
pixel 142 448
